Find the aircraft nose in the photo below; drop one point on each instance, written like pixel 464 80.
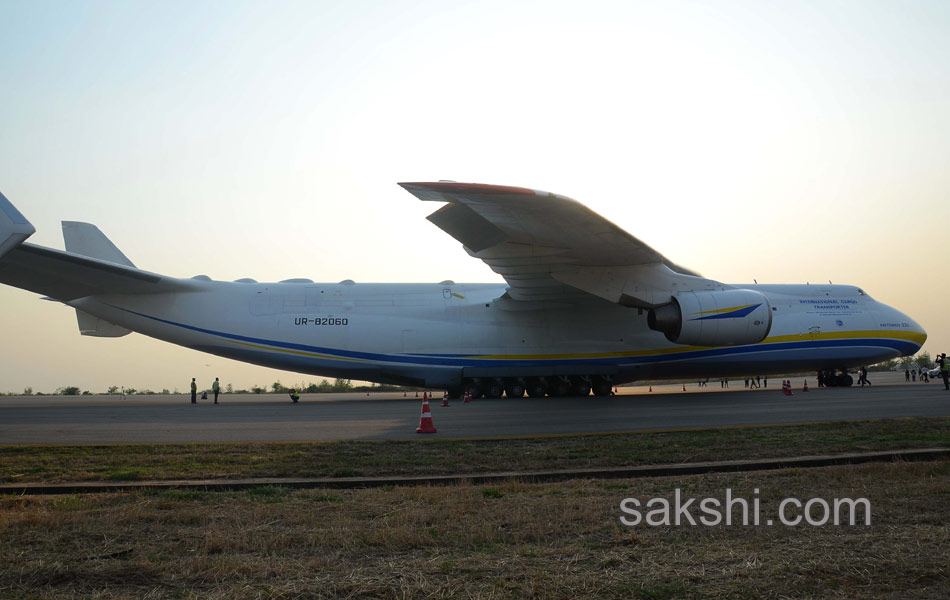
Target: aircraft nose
pixel 916 333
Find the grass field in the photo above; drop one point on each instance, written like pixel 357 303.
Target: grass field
pixel 511 540
pixel 421 457
pixel 515 540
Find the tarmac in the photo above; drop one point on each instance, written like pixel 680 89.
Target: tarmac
pixel 378 416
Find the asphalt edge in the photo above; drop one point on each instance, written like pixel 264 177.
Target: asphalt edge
pixel 669 470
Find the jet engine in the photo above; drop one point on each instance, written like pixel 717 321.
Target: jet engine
pixel 714 318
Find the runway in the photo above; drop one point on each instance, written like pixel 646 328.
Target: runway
pixel 263 418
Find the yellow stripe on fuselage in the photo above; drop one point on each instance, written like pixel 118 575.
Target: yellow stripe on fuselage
pixel 722 310
pixel 913 336
pixel 298 352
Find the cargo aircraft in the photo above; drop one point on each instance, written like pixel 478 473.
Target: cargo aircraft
pixel 585 306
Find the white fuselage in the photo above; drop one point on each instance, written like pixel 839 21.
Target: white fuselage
pixel 440 335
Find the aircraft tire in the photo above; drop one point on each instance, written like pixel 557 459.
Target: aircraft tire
pixel 536 388
pixel 492 389
pixel 602 387
pixel 558 387
pixel 515 390
pixel 580 388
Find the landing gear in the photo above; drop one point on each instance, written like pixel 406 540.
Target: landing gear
pixel 580 386
pixel 492 389
pixel 838 379
pixel 602 386
pixel 514 389
pixel 559 386
pixel 536 388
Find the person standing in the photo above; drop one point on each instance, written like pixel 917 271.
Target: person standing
pixel 944 370
pixel 216 388
pixel 194 391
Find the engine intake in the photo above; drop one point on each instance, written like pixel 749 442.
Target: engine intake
pixel 721 318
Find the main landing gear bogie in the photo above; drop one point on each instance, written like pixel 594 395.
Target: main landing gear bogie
pixel 838 379
pixel 538 387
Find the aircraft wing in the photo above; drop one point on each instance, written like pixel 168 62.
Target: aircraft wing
pixel 552 248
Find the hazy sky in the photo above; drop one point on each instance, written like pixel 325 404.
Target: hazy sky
pixel 782 141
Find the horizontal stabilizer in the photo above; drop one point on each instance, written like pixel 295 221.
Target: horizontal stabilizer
pixel 96 327
pixel 66 276
pixel 14 228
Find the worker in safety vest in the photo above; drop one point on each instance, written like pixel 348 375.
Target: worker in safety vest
pixel 216 388
pixel 944 370
pixel 194 391
pixel 294 395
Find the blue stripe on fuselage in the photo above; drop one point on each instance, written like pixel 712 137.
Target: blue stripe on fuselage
pixel 468 361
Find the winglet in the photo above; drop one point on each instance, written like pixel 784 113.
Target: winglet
pixel 86 239
pixel 14 228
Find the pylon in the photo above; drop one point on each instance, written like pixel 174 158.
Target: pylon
pixel 404 394
pixel 684 387
pixel 805 388
pixel 425 422
pixel 417 393
pixel 651 387
pixel 445 398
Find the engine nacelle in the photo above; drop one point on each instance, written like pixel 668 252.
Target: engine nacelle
pixel 719 318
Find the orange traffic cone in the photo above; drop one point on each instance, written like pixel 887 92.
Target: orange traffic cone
pixel 417 393
pixel 445 398
pixel 684 387
pixel 651 387
pixel 404 394
pixel 805 389
pixel 425 422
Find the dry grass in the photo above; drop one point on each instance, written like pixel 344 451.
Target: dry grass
pixel 432 457
pixel 518 540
